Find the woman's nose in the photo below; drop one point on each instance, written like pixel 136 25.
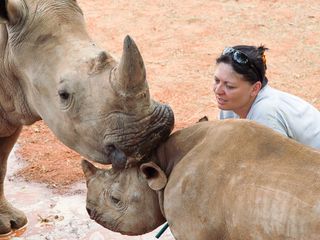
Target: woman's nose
pixel 217 88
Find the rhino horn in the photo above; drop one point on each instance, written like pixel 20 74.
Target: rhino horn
pixel 131 71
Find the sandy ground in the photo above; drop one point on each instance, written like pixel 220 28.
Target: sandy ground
pixel 179 41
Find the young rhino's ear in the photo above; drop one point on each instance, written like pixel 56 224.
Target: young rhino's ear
pixel 89 169
pixel 156 178
pixel 11 11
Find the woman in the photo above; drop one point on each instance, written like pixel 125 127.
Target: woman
pixel 242 91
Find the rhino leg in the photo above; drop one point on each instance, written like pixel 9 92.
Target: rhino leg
pixel 10 217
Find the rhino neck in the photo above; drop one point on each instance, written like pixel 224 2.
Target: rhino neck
pixel 168 156
pixel 14 109
pixel 164 160
pixel 179 144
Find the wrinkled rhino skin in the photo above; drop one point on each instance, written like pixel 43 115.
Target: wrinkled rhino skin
pixel 230 180
pixel 104 187
pixel 51 69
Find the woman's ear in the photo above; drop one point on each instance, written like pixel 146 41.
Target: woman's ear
pixel 11 11
pixel 256 87
pixel 156 178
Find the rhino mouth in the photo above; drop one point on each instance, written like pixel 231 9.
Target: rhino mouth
pixel 108 223
pixel 136 138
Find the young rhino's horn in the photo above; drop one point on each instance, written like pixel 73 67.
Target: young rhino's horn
pixel 131 73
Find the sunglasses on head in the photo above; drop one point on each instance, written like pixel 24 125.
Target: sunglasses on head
pixel 242 59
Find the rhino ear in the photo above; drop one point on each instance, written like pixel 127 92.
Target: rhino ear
pixel 11 11
pixel 156 178
pixel 3 12
pixel 89 169
pixel 131 71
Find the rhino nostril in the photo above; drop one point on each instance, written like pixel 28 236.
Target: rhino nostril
pixel 110 148
pixel 116 156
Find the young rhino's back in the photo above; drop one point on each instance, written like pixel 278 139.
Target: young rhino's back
pixel 240 180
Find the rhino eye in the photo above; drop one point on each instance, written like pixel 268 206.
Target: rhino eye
pixel 64 95
pixel 115 200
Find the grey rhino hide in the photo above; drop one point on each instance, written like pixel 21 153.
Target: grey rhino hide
pixel 50 69
pixel 231 180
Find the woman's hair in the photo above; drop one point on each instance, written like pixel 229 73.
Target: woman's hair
pixel 256 69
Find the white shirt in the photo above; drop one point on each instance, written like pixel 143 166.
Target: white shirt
pixel 285 113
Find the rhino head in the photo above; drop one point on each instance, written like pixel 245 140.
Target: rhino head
pixel 94 104
pixel 121 200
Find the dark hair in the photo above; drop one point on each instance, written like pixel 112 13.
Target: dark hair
pixel 256 58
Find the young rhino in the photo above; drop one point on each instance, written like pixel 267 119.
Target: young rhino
pixel 228 180
pixel 113 201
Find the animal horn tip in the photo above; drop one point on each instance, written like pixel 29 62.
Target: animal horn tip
pixel 128 42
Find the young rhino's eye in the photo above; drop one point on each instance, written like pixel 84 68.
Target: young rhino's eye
pixel 115 200
pixel 64 95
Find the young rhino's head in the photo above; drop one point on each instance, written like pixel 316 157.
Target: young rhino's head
pixel 121 200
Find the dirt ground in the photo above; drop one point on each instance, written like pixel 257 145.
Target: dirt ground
pixel 179 41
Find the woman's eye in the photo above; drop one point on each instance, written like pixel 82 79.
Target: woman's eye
pixel 230 87
pixel 63 94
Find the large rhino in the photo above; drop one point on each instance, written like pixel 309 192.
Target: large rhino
pixel 229 180
pixel 51 69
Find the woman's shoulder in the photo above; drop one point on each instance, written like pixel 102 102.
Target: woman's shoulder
pixel 268 94
pixel 276 103
pixel 270 98
pixel 267 100
pixel 277 95
pixel 268 104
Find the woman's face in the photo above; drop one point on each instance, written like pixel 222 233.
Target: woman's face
pixel 232 91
